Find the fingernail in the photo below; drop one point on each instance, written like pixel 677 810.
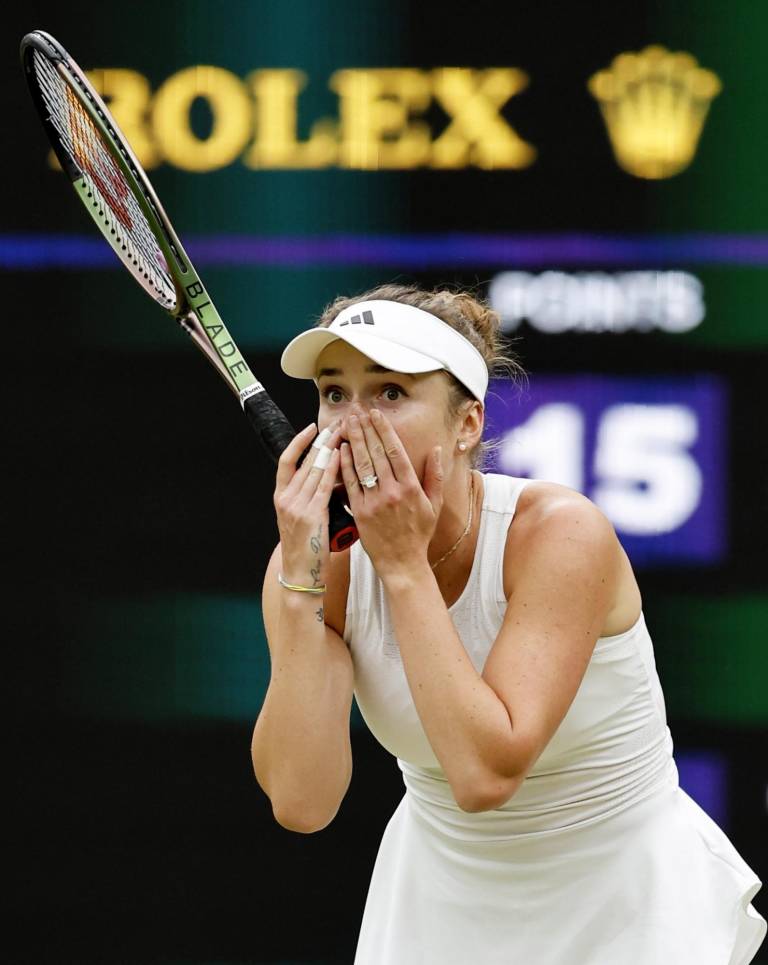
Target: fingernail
pixel 353 420
pixel 375 414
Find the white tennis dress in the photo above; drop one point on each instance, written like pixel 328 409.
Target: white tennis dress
pixel 600 858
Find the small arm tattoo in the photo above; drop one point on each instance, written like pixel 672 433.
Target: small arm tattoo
pixel 316 543
pixel 319 614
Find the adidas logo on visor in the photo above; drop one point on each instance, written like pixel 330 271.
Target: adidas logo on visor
pixel 419 342
pixel 367 319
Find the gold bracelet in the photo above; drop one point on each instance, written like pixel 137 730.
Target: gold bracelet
pixel 300 589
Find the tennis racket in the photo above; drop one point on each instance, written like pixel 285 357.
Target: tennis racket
pixel 117 194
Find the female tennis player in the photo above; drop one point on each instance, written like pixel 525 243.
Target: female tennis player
pixel 491 629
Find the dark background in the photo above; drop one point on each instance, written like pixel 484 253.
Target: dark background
pixel 139 509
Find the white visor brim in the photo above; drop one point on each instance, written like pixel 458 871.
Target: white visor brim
pixel 399 337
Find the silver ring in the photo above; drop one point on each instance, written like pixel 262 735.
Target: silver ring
pixel 369 481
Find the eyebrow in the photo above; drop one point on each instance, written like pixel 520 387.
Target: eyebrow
pixel 378 369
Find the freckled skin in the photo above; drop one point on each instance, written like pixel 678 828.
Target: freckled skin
pixel 530 676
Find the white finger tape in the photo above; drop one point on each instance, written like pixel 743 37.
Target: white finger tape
pixel 322 458
pixel 321 440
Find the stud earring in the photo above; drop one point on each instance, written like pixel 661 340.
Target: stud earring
pixel 462 446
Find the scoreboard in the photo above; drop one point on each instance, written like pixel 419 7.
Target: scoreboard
pixel 595 172
pixel 648 451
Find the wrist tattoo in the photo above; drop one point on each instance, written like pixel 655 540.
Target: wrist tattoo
pixel 316 543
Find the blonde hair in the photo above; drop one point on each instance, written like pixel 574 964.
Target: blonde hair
pixel 467 313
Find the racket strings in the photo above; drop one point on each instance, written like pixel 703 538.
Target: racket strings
pixel 106 183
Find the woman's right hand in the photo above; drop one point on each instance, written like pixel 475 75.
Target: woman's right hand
pixel 301 504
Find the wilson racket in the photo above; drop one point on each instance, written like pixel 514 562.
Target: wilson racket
pixel 116 192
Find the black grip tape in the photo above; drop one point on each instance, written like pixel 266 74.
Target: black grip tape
pixel 269 424
pixel 275 432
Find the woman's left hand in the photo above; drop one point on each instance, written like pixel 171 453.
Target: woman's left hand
pixel 397 517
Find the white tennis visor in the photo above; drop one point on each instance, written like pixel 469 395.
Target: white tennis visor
pixel 399 337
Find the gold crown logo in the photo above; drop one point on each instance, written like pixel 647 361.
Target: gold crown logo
pixel 654 104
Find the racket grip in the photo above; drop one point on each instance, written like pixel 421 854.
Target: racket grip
pixel 269 423
pixel 275 432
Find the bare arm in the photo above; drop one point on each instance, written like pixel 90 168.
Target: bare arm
pixel 466 723
pixel 301 751
pixel 488 729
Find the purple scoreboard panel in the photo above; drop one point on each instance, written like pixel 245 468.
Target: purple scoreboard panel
pixel 650 452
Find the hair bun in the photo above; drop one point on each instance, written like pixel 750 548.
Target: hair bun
pixel 484 319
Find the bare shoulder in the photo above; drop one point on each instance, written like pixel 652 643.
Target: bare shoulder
pixel 548 507
pixel 555 517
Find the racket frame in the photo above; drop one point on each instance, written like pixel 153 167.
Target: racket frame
pixel 194 309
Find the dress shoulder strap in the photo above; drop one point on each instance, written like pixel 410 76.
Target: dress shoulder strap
pixel 499 506
pixel 365 600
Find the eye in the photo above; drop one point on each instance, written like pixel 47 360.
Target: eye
pixel 393 389
pixel 333 394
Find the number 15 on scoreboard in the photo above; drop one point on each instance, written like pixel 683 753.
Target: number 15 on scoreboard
pixel 651 453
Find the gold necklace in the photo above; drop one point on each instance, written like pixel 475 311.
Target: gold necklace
pixel 469 521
